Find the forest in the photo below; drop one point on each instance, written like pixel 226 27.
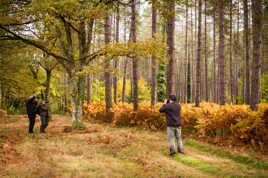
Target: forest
pixel 112 63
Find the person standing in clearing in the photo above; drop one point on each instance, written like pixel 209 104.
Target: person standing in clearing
pixel 43 112
pixel 172 109
pixel 31 106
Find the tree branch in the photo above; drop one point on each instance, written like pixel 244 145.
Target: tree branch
pixel 17 24
pixel 61 59
pixel 64 21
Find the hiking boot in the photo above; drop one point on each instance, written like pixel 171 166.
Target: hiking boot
pixel 180 151
pixel 172 153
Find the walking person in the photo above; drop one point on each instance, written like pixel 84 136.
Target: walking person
pixel 172 109
pixel 43 112
pixel 31 107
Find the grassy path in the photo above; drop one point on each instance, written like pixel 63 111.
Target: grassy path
pixel 105 151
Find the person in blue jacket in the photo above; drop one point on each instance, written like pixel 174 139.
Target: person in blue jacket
pixel 172 109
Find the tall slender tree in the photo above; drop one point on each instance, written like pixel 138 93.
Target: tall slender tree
pixel 154 79
pixel 170 28
pixel 206 60
pixel 134 59
pixel 195 54
pixel 198 58
pixel 107 74
pixel 125 63
pixel 246 48
pixel 257 15
pixel 214 57
pixel 116 60
pixel 221 53
pixel 192 58
pixel 91 37
pixel 186 56
pixel 231 54
pixel 237 53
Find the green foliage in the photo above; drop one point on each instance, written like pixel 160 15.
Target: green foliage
pixel 264 88
pixel 161 82
pixel 15 77
pixel 98 91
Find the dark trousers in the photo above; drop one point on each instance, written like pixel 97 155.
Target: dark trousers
pixel 44 123
pixel 31 122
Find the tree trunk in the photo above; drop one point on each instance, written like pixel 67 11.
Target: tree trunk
pixel 81 78
pixel 154 80
pixel 124 81
pixel 198 58
pixel 257 40
pixel 195 52
pixel 231 57
pixel 89 89
pixel 170 28
pixel 91 37
pixel 186 56
pixel 76 83
pixel 206 60
pixel 77 112
pixel 116 61
pixel 107 75
pixel 246 34
pixel 214 57
pixel 134 59
pixel 1 95
pixel 237 55
pixel 47 91
pixel 48 78
pixel 221 52
pixel 192 60
pixel 125 63
pixel 65 93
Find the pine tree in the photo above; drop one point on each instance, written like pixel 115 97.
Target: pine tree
pixel 257 40
pixel 161 82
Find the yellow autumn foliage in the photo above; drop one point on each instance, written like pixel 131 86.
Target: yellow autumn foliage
pixel 2 113
pixel 233 122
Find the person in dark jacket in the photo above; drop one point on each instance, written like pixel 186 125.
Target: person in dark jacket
pixel 43 112
pixel 31 106
pixel 172 109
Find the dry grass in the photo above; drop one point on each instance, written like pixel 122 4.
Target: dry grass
pixel 102 151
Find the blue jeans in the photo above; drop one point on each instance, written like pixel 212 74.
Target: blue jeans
pixel 44 123
pixel 174 132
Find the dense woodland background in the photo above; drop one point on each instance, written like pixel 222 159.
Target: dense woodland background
pixel 72 52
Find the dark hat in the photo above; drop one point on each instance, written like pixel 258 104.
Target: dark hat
pixel 173 98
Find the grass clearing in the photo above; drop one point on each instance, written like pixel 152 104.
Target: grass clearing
pixel 247 159
pixel 105 151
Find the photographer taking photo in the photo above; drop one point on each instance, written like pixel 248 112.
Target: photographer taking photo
pixel 172 109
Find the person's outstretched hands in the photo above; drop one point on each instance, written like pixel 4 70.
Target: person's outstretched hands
pixel 165 101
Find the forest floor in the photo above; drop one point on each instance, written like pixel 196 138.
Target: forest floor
pixel 102 150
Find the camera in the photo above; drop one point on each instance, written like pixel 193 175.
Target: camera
pixel 168 101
